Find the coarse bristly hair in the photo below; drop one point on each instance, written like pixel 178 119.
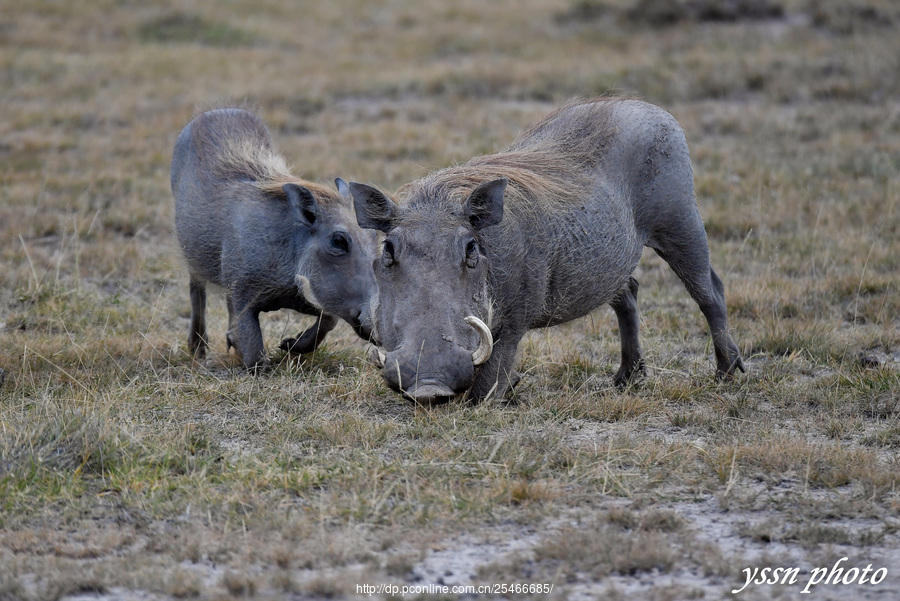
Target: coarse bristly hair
pixel 240 147
pixel 547 165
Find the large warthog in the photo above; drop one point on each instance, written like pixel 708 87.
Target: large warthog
pixel 474 256
pixel 270 240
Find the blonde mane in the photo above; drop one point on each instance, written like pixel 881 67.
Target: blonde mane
pixel 245 152
pixel 547 165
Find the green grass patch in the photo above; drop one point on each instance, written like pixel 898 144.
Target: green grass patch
pixel 182 28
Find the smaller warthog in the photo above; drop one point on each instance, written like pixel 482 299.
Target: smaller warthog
pixel 270 240
pixel 474 256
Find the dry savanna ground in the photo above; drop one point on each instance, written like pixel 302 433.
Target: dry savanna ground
pixel 128 471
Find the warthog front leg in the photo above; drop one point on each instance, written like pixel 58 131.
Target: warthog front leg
pixel 497 376
pixel 309 340
pixel 229 343
pixel 245 334
pixel 197 341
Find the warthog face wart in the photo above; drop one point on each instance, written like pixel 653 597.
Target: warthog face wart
pixel 433 313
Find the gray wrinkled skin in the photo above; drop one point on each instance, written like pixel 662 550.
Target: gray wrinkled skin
pixel 270 240
pixel 534 236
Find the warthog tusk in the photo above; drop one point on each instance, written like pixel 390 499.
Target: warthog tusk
pixel 376 356
pixel 486 345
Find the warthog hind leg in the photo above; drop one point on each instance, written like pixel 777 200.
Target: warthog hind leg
pixel 626 307
pixel 691 263
pixel 728 357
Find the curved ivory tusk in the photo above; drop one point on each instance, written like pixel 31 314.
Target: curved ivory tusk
pixel 376 356
pixel 486 345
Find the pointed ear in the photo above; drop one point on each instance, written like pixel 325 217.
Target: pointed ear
pixel 302 202
pixel 374 210
pixel 342 188
pixel 484 206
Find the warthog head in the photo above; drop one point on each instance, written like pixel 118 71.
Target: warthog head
pixel 334 273
pixel 433 313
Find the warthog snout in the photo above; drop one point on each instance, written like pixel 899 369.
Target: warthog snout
pixel 362 322
pixel 403 371
pixel 431 392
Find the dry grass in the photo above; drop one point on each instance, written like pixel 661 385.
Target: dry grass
pixel 126 467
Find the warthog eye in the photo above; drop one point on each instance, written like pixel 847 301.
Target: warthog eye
pixel 340 243
pixel 387 253
pixel 471 254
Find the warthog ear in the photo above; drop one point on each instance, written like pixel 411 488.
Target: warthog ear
pixel 343 189
pixel 374 210
pixel 303 203
pixel 484 206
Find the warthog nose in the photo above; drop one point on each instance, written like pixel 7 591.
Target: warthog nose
pixel 423 390
pixel 430 393
pixel 362 324
pixel 427 377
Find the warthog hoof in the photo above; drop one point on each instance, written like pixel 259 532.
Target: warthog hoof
pixel 629 375
pixel 300 345
pixel 727 374
pixel 263 367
